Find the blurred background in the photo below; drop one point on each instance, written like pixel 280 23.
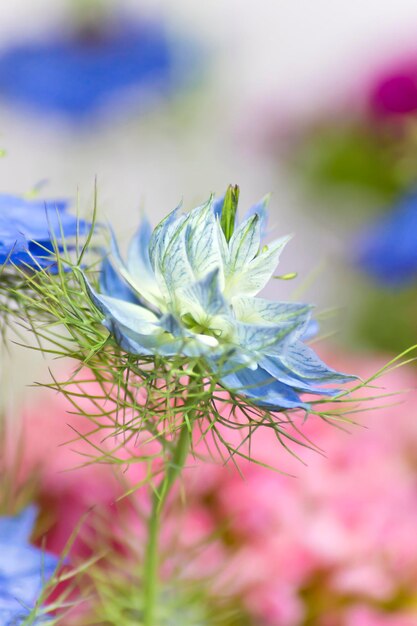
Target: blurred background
pixel 315 102
pixel 248 82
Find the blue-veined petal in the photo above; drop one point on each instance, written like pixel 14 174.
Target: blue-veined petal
pixel 192 249
pixel 144 284
pixel 260 310
pixel 202 241
pixel 133 342
pixel 204 299
pixel 262 337
pixel 139 268
pixel 304 362
pixel 260 386
pixel 297 334
pixel 252 278
pixel 161 343
pixel 243 245
pixel 172 266
pixel 138 260
pixel 160 237
pixel 112 284
pixel 275 368
pixel 133 316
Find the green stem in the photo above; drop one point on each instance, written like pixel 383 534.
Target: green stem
pixel 158 500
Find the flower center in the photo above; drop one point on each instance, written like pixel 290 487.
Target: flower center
pixel 200 327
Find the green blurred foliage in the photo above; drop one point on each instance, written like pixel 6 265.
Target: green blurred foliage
pixel 386 319
pixel 353 158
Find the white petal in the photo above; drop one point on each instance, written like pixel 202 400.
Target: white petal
pixel 251 279
pixel 244 245
pixel 259 310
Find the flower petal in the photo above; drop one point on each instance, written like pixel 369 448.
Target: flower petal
pixel 144 285
pixel 138 261
pixel 18 527
pixel 275 368
pixel 252 278
pixel 132 316
pixel 244 245
pixel 304 362
pixel 160 237
pixel 260 386
pixel 112 284
pixel 259 310
pixel 204 298
pixel 260 209
pixel 261 337
pixel 202 241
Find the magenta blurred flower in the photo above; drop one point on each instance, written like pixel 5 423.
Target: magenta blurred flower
pixel 394 91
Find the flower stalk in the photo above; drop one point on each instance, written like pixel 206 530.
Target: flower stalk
pixel 172 473
pixel 152 548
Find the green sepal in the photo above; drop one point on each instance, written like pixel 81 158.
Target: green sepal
pixel 228 218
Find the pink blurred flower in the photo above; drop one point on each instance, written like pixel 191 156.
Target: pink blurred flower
pixel 340 528
pixel 365 616
pixel 68 488
pixel 346 520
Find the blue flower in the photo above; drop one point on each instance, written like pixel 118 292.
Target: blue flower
pixel 28 229
pixel 78 75
pixel 387 248
pixel 189 288
pixel 24 569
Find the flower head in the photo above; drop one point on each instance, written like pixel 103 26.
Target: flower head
pixel 29 228
pixel 189 288
pixel 387 248
pixel 76 75
pixel 24 569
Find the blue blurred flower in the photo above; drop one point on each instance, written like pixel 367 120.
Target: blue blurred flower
pixel 28 228
pixel 24 569
pixel 189 288
pixel 387 248
pixel 78 75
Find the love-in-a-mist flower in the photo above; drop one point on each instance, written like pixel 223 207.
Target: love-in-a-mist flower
pixel 24 569
pixel 77 74
pixel 387 248
pixel 29 229
pixel 189 287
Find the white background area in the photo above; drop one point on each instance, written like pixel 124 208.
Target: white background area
pixel 296 53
